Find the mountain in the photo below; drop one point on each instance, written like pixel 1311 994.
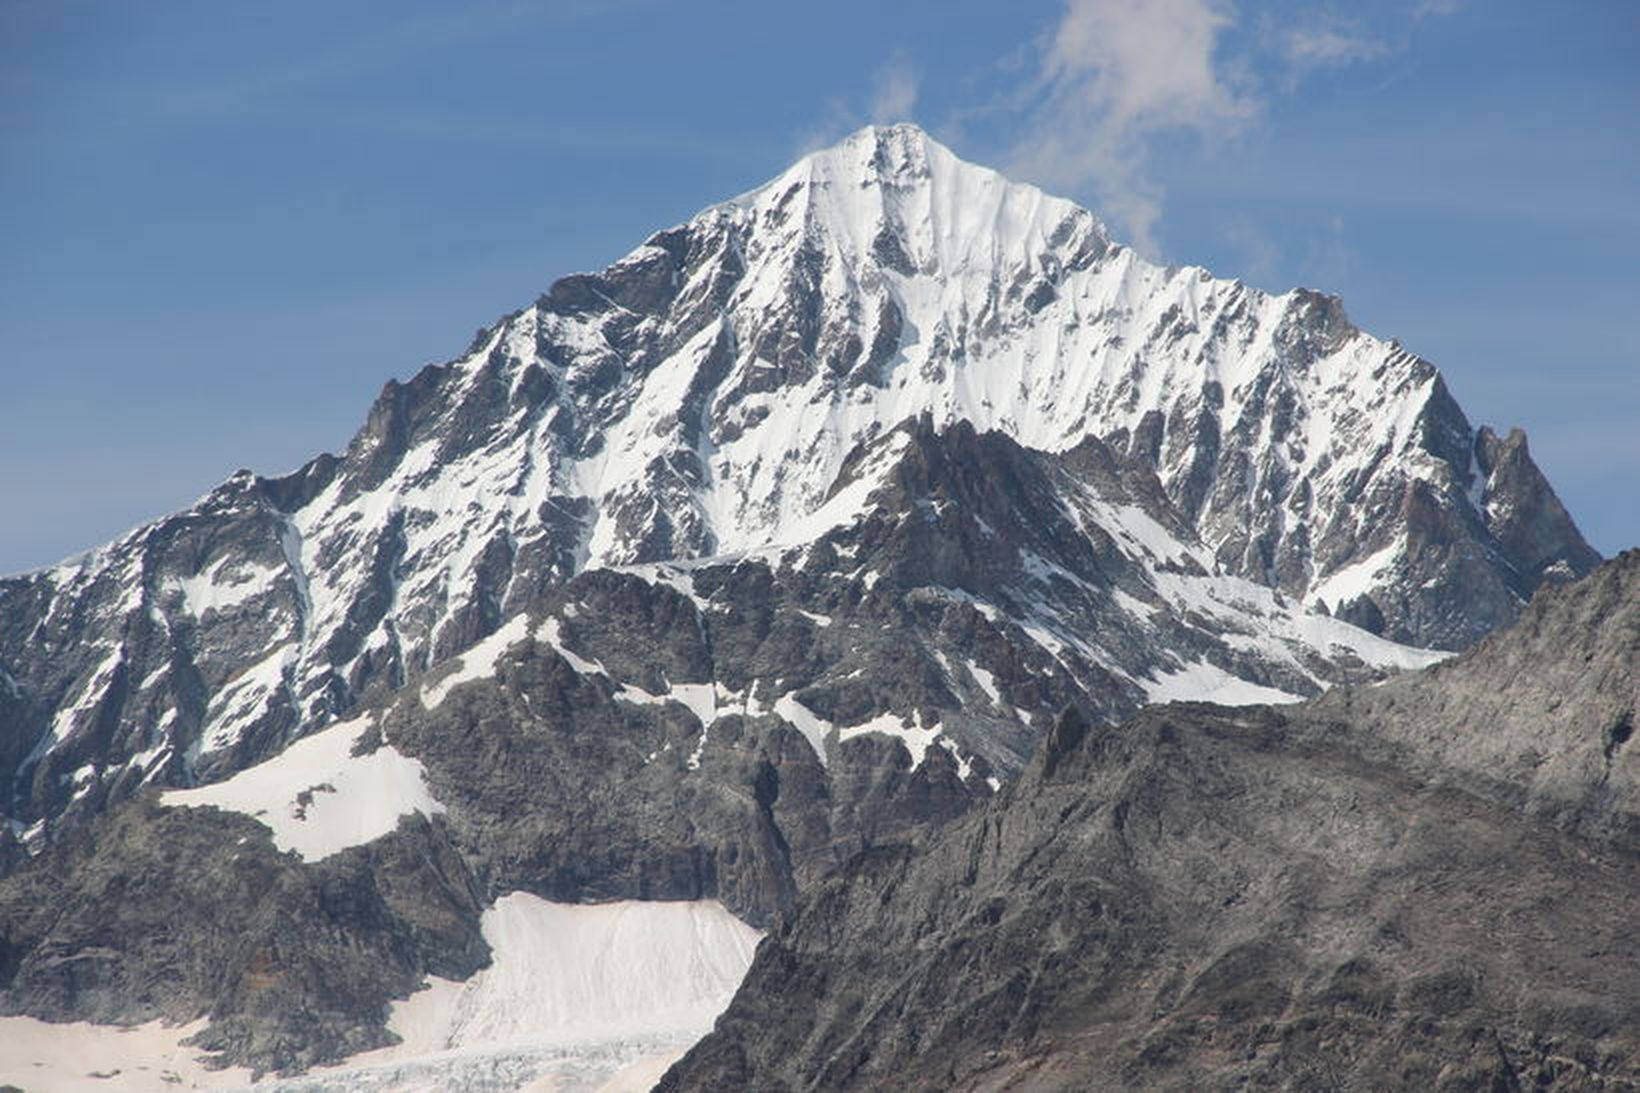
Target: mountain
pixel 671 733
pixel 783 540
pixel 709 395
pixel 1424 884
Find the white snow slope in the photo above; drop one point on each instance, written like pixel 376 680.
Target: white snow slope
pixel 317 797
pixel 598 997
pixel 73 1057
pixel 578 997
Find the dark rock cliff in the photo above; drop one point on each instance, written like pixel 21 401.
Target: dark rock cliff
pixel 1374 891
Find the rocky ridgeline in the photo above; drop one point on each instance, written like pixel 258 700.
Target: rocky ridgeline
pixel 1427 884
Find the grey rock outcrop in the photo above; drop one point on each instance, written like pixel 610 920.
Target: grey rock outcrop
pixel 1378 890
pixel 730 729
pixel 153 912
pixel 1540 716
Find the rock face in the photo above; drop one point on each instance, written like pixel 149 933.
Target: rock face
pixel 707 396
pixel 733 729
pixel 155 912
pixel 1425 884
pixel 565 776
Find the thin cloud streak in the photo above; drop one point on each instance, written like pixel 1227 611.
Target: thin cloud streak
pixel 895 96
pixel 1116 74
pixel 892 97
pixel 1327 43
pixel 1113 77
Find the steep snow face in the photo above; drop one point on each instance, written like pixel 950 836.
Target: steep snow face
pixel 593 997
pixel 884 279
pixel 702 396
pixel 578 997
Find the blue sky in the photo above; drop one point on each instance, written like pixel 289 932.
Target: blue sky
pixel 227 224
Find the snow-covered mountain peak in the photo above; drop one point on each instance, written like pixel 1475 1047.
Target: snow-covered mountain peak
pixel 893 197
pixel 703 396
pixel 883 279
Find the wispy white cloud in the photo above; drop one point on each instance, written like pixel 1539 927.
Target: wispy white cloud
pixel 892 97
pixel 1327 42
pixel 1423 9
pixel 895 94
pixel 1113 78
pixel 1114 75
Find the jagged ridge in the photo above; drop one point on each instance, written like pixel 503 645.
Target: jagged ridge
pixel 1393 887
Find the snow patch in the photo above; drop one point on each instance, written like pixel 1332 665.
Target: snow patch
pixel 1204 682
pixel 916 736
pixel 814 728
pixel 964 763
pixel 246 699
pixel 479 662
pixel 222 586
pixel 75 1055
pixel 1355 579
pixel 576 996
pixel 552 631
pixel 987 683
pixel 700 698
pixel 66 720
pixel 1280 629
pixel 317 797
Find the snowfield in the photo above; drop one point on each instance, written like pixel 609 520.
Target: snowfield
pixel 317 797
pixel 41 1056
pixel 578 997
